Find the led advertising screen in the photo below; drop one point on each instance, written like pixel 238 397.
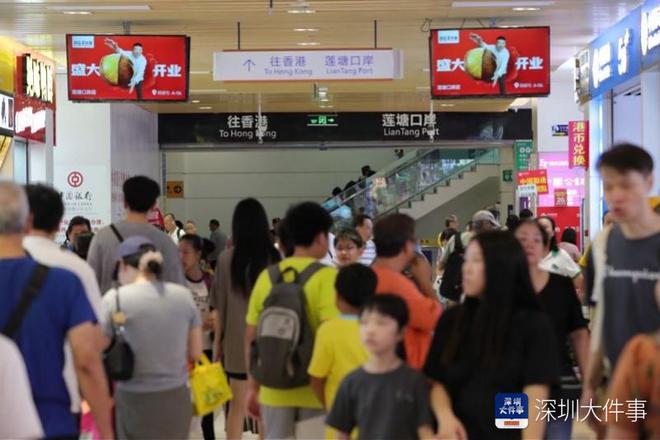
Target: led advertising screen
pixel 490 62
pixel 128 67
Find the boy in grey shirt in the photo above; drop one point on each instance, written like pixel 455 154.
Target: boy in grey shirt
pixel 140 195
pixel 385 398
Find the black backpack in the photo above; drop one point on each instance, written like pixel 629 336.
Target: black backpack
pixel 282 349
pixel 451 286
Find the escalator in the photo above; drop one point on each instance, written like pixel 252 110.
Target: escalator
pixel 408 180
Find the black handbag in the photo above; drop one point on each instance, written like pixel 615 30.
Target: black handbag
pixel 119 359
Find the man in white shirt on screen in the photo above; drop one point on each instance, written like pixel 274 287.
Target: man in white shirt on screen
pixel 502 56
pixel 138 61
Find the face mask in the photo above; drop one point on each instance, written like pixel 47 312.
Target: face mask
pixel 127 275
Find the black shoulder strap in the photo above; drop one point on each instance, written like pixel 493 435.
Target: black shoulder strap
pixel 274 273
pixel 30 292
pixel 116 232
pixel 309 272
pixel 458 242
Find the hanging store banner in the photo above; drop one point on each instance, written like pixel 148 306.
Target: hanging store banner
pixel 471 62
pixel 560 176
pixel 523 150
pixel 308 65
pixel 650 33
pixel 246 128
pixel 535 177
pixel 561 197
pixel 578 144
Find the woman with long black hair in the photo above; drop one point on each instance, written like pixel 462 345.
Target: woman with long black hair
pixel 236 272
pixel 497 341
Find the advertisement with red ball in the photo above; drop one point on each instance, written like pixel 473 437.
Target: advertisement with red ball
pixel 128 67
pixel 490 62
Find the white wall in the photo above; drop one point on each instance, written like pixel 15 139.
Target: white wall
pixel 83 145
pixel 214 182
pixel 134 146
pixel 558 108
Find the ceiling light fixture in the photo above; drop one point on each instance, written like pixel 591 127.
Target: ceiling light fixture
pixel 200 72
pixel 309 43
pixel 305 30
pixel 502 4
pixel 519 9
pixel 206 107
pixel 100 8
pixel 78 12
pixel 195 101
pixel 447 105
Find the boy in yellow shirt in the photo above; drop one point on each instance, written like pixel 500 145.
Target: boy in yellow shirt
pixel 337 348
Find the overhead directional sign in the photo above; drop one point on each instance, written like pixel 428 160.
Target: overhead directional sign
pixel 308 65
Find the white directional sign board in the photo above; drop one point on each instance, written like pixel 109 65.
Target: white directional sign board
pixel 308 65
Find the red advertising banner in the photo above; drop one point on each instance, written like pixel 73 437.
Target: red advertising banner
pixel 578 144
pixel 534 177
pixel 128 67
pixel 566 217
pixel 35 94
pixel 472 62
pixel 561 197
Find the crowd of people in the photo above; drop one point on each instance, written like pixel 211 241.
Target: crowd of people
pixel 327 333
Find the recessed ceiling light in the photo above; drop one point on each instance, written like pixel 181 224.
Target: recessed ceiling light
pixel 205 108
pixel 200 72
pixel 309 43
pixel 305 30
pixel 78 12
pixel 502 4
pixel 447 105
pixel 303 10
pixel 100 8
pixel 195 101
pixel 423 88
pixel 327 106
pixel 525 9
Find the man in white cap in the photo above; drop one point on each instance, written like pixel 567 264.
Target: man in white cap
pixel 481 221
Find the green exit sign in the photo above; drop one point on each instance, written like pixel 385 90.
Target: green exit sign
pixel 322 121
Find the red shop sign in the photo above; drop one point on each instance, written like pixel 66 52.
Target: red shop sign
pixel 35 94
pixel 534 177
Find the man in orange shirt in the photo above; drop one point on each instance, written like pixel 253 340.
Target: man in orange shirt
pixel 395 241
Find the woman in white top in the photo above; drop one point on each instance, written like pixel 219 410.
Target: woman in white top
pixel 199 282
pixel 18 415
pixel 558 260
pixel 163 328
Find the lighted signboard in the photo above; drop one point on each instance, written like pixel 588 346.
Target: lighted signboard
pixel 560 176
pixel 650 32
pixel 128 67
pixel 471 62
pixel 6 115
pixel 35 95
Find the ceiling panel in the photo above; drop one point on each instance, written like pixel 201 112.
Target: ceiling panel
pixel 340 23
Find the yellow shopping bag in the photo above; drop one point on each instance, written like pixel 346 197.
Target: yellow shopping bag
pixel 209 386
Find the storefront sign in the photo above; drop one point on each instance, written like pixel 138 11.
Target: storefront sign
pixel 6 115
pixel 35 96
pixel 246 128
pixel 561 197
pixel 490 62
pixel 536 177
pixel 650 33
pixel 38 79
pixel 307 65
pixel 128 67
pixel 560 176
pixel 578 144
pixel 523 151
pixel 616 55
pixel 84 193
pixel 560 130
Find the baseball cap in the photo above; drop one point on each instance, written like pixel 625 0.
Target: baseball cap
pixel 134 245
pixel 485 216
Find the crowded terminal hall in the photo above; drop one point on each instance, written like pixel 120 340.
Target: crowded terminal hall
pixel 324 219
